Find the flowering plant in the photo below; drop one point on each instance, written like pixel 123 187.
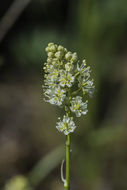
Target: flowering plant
pixel 66 83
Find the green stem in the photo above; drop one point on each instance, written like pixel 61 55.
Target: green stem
pixel 75 92
pixel 68 141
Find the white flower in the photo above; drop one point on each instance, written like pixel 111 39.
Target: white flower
pixel 86 85
pixel 89 88
pixel 55 100
pixel 83 70
pixel 66 79
pixel 48 93
pixel 66 126
pixel 78 107
pixel 53 75
pixel 84 81
pixel 55 95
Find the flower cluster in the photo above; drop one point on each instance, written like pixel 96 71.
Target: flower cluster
pixel 66 84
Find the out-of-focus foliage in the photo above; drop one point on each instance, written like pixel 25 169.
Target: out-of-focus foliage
pixel 1 61
pixel 102 31
pixel 96 30
pixel 46 165
pixel 29 49
pixel 17 183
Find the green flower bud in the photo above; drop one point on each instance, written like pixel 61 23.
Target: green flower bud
pixel 60 48
pixel 68 56
pixel 50 54
pixel 53 48
pixel 69 66
pixel 74 57
pixel 84 62
pixel 47 49
pixel 49 60
pixel 50 44
pixel 58 54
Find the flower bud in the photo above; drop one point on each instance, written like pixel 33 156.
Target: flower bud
pixel 84 62
pixel 50 44
pixel 50 54
pixel 58 54
pixel 69 66
pixel 52 48
pixel 68 56
pixel 49 60
pixel 74 57
pixel 60 48
pixel 47 49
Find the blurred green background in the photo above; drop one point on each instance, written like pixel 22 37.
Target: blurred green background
pixel 31 149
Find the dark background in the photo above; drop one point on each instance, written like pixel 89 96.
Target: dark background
pixel 31 149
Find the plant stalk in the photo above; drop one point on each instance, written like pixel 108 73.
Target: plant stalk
pixel 68 142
